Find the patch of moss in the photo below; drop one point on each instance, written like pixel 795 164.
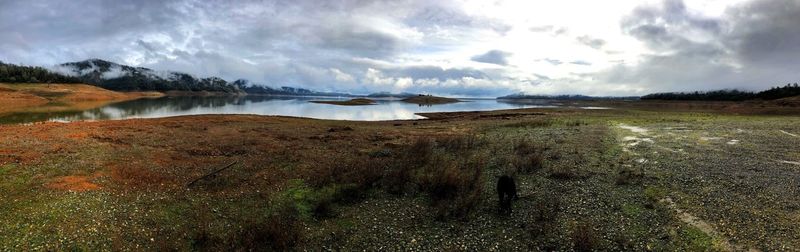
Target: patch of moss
pixel 696 239
pixel 5 168
pixel 654 193
pixel 631 209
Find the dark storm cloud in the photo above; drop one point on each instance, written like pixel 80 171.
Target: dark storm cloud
pixel 437 16
pixel 84 19
pixel 669 25
pixel 493 57
pixel 767 32
pixel 752 46
pixel 46 31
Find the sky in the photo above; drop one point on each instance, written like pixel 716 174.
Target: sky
pixel 461 48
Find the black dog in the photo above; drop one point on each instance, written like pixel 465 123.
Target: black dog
pixel 507 191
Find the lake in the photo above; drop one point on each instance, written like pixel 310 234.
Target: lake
pixel 259 105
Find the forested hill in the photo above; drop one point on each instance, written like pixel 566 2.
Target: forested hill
pixel 113 76
pixel 10 73
pixel 118 77
pixel 728 95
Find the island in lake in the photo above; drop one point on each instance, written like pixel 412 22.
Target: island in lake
pixel 429 100
pixel 351 102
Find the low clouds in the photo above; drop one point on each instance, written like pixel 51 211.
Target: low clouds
pixel 549 29
pixel 493 57
pixel 554 62
pixel 581 62
pixel 591 42
pixel 421 46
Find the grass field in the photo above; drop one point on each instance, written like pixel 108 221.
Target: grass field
pixel 617 179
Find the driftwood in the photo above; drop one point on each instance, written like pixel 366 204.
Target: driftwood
pixel 211 174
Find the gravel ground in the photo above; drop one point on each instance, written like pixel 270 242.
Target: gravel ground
pixel 731 174
pixel 615 180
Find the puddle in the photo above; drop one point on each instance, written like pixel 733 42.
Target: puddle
pixel 733 141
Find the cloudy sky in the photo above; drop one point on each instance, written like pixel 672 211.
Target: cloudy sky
pixel 464 48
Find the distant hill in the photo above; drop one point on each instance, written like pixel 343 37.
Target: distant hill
pixel 11 73
pixel 113 76
pixel 390 95
pixel 118 77
pixel 257 89
pixel 522 96
pixel 790 90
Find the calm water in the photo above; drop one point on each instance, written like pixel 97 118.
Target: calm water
pixel 284 106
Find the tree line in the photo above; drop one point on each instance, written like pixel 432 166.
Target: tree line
pixel 778 92
pixel 27 74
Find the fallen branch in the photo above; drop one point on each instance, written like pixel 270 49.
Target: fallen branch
pixel 211 174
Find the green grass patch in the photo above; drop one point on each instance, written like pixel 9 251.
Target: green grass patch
pixel 631 209
pixel 654 193
pixel 6 168
pixel 696 240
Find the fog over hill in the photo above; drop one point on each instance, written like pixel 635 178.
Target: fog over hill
pixel 120 77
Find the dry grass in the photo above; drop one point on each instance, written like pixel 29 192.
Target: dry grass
pixel 138 177
pixel 527 157
pixel 629 176
pixel 535 123
pixel 547 207
pixel 278 232
pixel 565 173
pixel 584 237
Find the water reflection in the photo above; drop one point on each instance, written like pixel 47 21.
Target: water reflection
pixel 258 105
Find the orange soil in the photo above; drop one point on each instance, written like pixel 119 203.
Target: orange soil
pixel 13 100
pixel 27 97
pixel 75 183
